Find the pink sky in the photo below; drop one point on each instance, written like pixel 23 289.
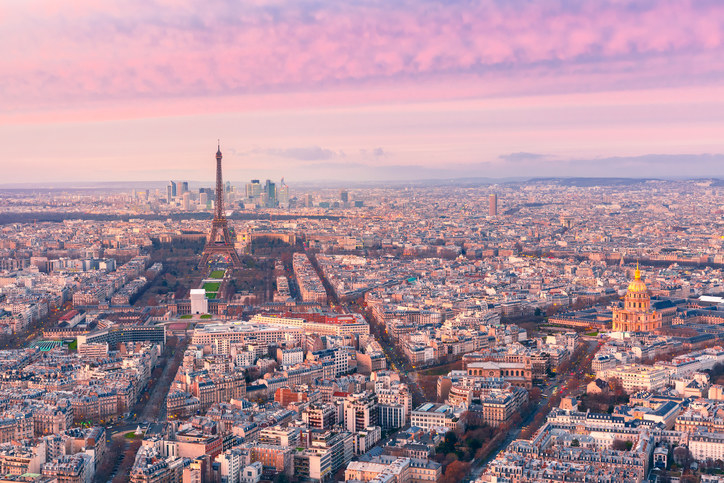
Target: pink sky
pixel 376 89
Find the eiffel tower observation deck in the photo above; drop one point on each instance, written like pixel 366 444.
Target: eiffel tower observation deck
pixel 219 243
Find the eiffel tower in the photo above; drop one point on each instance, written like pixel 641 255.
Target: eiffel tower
pixel 219 241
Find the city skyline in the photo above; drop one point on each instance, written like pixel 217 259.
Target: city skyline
pixel 363 91
pixel 368 241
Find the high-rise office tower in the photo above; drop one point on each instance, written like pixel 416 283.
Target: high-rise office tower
pixel 186 201
pixel 271 194
pixel 309 200
pixel 283 195
pixel 184 187
pixel 493 205
pixel 172 185
pixel 253 189
pixel 344 196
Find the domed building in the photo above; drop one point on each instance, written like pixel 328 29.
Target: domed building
pixel 636 314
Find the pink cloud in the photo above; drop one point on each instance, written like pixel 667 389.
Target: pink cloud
pixel 70 56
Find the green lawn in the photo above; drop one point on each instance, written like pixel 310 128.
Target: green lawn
pixel 133 435
pixel 73 346
pixel 212 286
pixel 211 295
pixel 436 371
pixel 206 316
pixel 187 316
pixel 217 274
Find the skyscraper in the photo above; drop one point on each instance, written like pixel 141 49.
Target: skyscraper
pixel 253 189
pixel 172 185
pixel 283 195
pixel 344 196
pixel 493 205
pixel 271 194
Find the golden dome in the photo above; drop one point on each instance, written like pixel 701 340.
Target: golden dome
pixel 637 286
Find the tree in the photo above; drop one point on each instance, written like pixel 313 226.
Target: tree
pixel 281 478
pixel 109 459
pixel 474 444
pixel 618 389
pixel 455 472
pixel 573 383
pixel 575 443
pixel 619 445
pixel 682 456
pixel 450 458
pixel 129 457
pixel 448 443
pixel 451 438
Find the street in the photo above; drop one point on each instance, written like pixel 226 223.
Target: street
pixel 151 406
pixel 554 390
pixel 566 383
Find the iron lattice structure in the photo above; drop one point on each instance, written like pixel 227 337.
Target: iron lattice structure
pixel 219 241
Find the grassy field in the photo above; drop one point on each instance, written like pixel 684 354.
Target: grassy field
pixel 217 274
pixel 186 316
pixel 73 346
pixel 442 370
pixel 206 316
pixel 212 286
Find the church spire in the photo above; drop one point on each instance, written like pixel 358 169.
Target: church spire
pixel 637 273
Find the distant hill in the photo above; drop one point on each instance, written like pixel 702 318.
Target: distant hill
pixel 589 182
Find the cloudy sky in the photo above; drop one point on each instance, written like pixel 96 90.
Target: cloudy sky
pixel 362 90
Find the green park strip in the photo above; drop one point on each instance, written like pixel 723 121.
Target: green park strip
pixel 212 286
pixel 217 274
